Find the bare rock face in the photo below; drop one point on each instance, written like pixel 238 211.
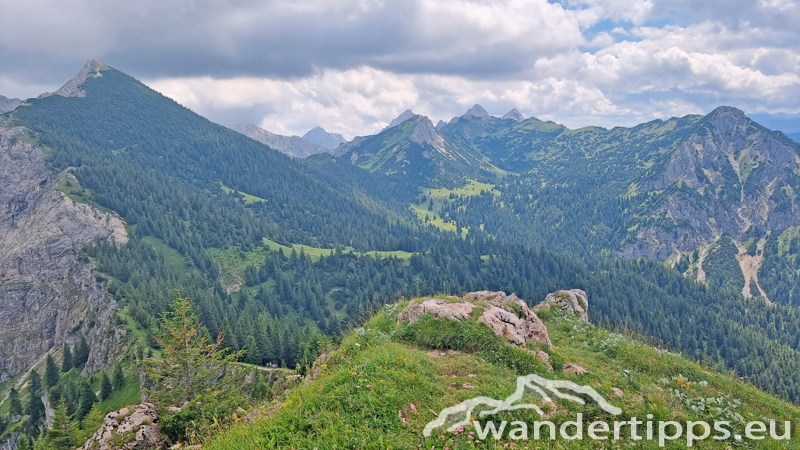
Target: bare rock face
pixel 92 69
pixel 48 296
pixel 8 104
pixel 132 427
pixel 510 317
pixel 438 308
pixel 506 315
pixel 573 301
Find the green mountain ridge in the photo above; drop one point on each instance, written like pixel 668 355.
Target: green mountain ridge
pixel 284 253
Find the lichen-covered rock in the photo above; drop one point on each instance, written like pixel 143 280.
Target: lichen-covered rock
pixel 130 428
pixel 438 308
pixel 573 301
pixel 506 315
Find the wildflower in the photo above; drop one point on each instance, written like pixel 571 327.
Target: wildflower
pixel 369 386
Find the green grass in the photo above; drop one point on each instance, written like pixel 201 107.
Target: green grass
pixel 233 262
pixel 246 198
pixel 69 186
pixel 441 196
pixel 337 410
pixel 171 256
pixel 128 395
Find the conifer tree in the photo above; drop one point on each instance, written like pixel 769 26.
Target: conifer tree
pixel 91 423
pixel 35 408
pixel 16 405
pixel 81 353
pixel 190 364
pixel 105 386
pixel 87 400
pixel 51 374
pixel 60 435
pixel 66 362
pixel 119 378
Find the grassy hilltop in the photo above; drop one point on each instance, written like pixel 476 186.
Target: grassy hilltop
pixel 380 387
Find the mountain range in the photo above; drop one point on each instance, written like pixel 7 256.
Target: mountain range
pixel 686 230
pixel 296 146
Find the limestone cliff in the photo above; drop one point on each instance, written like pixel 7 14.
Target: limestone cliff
pixel 730 175
pixel 48 295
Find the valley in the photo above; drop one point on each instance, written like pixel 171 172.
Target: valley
pixel 684 233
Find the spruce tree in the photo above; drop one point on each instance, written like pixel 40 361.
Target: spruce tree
pixel 60 435
pixel 51 374
pixel 35 408
pixel 105 387
pixel 190 365
pixel 119 378
pixel 16 405
pixel 24 443
pixel 81 353
pixel 66 362
pixel 87 400
pixel 91 423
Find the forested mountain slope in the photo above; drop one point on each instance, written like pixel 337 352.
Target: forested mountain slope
pixel 414 149
pixel 275 250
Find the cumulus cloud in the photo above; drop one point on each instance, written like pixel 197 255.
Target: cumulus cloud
pixel 353 65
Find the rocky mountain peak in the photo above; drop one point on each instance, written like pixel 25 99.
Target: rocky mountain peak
pixel 72 88
pixel 476 111
pixel 407 114
pixel 726 119
pixel 8 104
pixel 514 114
pixel 319 136
pixel 425 134
pixel 440 124
pixel 291 145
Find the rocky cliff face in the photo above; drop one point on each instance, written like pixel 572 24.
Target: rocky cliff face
pixel 48 295
pixel 729 176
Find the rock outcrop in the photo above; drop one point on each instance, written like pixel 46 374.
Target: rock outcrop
pixel 573 301
pixel 48 295
pixel 72 88
pixel 132 427
pixel 506 315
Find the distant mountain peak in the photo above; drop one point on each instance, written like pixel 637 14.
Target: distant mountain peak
pixel 290 145
pixel 319 136
pixel 440 124
pixel 407 114
pixel 514 114
pixel 476 111
pixel 8 104
pixel 72 88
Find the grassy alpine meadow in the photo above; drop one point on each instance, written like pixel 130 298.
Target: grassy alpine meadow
pixel 382 385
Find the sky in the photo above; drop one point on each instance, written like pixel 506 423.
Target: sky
pixel 351 66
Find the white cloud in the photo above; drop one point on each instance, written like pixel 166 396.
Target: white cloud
pixel 353 65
